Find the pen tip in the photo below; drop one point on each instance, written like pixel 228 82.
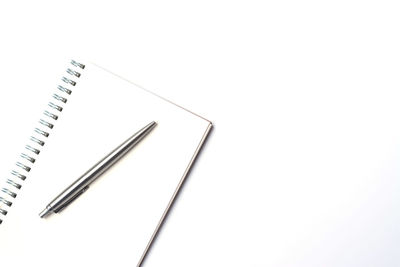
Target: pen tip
pixel 44 213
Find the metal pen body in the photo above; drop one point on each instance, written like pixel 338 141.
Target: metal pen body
pixel 83 182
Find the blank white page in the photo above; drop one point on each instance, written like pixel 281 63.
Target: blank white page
pixel 113 222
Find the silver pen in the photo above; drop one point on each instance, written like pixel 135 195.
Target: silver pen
pixel 82 184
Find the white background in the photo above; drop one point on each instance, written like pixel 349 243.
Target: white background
pixel 301 168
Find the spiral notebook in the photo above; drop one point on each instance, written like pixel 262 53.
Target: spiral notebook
pixel 114 223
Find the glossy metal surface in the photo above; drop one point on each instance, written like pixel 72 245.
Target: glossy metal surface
pixel 82 184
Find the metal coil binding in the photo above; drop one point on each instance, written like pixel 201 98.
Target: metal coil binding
pixel 47 124
pixel 51 115
pixel 40 142
pixel 15 182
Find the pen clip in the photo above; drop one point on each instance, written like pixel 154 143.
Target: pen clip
pixel 71 200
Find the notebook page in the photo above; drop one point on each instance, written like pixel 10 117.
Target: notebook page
pixel 113 221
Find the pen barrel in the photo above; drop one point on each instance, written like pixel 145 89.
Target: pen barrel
pixel 82 183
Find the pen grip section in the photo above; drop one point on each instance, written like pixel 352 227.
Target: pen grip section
pixel 59 209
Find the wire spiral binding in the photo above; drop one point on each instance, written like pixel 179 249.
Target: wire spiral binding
pixel 9 190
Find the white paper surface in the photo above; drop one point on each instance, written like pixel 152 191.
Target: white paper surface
pixel 112 223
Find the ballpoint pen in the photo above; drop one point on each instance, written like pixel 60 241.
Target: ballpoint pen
pixel 82 183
